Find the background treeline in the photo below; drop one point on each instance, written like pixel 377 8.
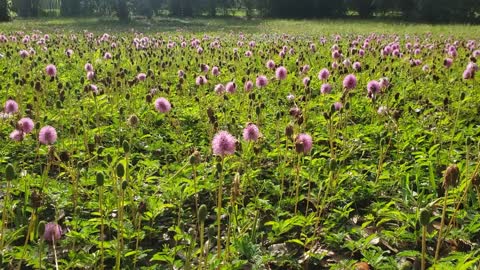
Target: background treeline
pixel 414 10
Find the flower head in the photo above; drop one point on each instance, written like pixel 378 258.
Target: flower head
pixel 231 87
pixel 25 125
pixel 162 105
pixel 141 76
pixel 323 74
pixel 373 87
pixel 281 73
pixel 223 144
pixel 201 80
pixel 326 88
pixel 350 82
pixel 51 70
pixel 262 81
pixel 270 64
pixel 11 106
pixel 53 232
pixel 251 132
pixel 47 135
pixel 248 86
pixel 17 135
pixel 303 143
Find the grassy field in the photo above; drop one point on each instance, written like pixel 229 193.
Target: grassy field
pixel 300 27
pixel 225 144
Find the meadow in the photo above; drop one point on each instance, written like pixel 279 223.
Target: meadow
pixel 239 144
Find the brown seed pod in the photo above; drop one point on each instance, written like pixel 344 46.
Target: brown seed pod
pixel 451 176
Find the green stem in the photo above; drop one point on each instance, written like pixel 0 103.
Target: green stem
pixel 219 209
pixel 424 245
pixel 439 240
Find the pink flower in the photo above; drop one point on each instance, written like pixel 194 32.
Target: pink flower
pixel 357 66
pixel 251 132
pixel 270 64
pixel 384 82
pixel 141 76
pixel 69 53
pixel 162 105
pixel 373 87
pixel 47 135
pixel 24 53
pixel 17 135
pixel 326 88
pixel 248 53
pixel 51 70
pixel 88 67
pixel 181 73
pixel 231 87
pixel 200 80
pixel 53 232
pixel 219 88
pixel 323 74
pixel 306 81
pixel 25 124
pixel 223 144
pixel 11 106
pixel 350 82
pixel 305 69
pixel 447 62
pixel 306 141
pixel 215 71
pixel 281 73
pixel 337 106
pixel 107 56
pixel 262 81
pixel 90 75
pixel 248 86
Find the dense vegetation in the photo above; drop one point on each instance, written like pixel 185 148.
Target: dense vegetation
pixel 246 151
pixel 414 10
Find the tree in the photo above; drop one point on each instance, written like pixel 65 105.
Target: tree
pixel 70 8
pixel 5 10
pixel 364 8
pixel 123 13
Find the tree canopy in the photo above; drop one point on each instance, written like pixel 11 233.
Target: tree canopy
pixel 415 10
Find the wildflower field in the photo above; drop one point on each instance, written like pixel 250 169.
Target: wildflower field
pixel 261 149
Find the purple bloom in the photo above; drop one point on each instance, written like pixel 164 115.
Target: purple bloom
pixel 53 232
pixel 107 56
pixel 162 105
pixel 338 106
pixel 468 74
pixel 11 106
pixel 25 124
pixel 219 88
pixel 88 67
pixel 251 132
pixel 17 135
pixel 51 70
pixel 215 71
pixel 47 135
pixel 306 141
pixel 181 73
pixel 90 75
pixel 281 73
pixel 200 80
pixel 326 88
pixel 223 144
pixel 357 66
pixel 305 69
pixel 231 87
pixel 248 86
pixel 261 81
pixel 373 87
pixel 384 82
pixel 141 76
pixel 270 64
pixel 350 82
pixel 448 62
pixel 306 81
pixel 323 74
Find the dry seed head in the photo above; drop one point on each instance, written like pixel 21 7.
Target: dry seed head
pixel 452 175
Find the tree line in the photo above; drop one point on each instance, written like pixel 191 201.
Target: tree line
pixel 415 10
